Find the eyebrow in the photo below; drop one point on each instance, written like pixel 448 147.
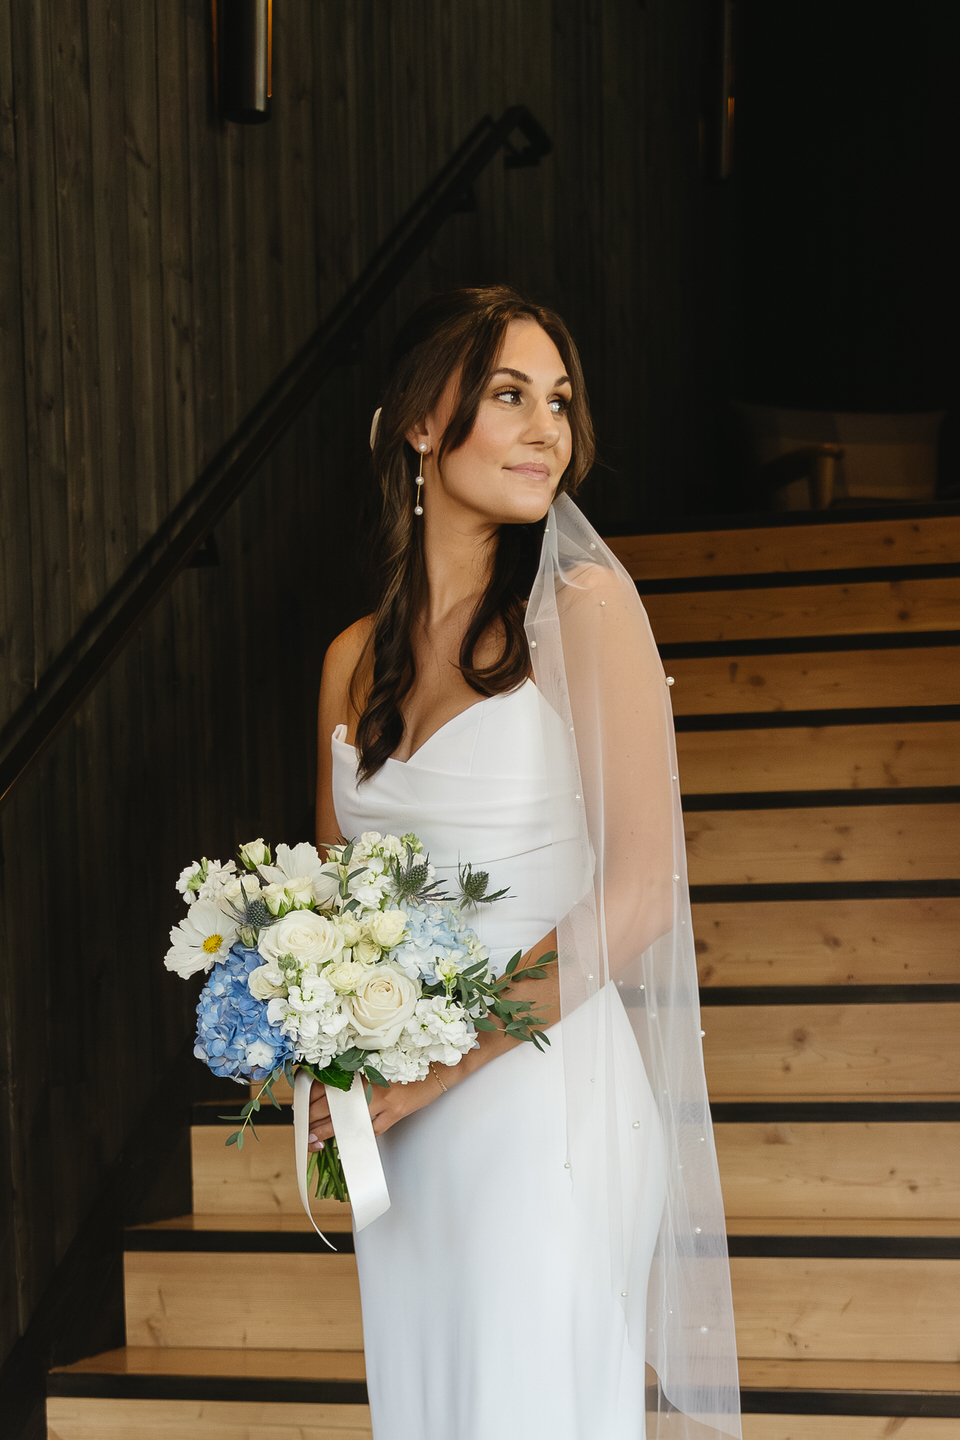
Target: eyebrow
pixel 525 379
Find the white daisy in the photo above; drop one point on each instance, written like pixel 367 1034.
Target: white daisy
pixel 202 937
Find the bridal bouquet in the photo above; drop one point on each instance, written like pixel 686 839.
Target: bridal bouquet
pixel 356 964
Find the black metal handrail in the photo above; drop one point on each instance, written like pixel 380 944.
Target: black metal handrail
pixel 120 615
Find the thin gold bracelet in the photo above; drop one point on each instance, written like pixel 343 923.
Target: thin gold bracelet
pixel 437 1078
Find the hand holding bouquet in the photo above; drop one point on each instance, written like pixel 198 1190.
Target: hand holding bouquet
pixel 359 964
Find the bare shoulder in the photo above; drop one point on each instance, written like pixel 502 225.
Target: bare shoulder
pixel 599 582
pixel 344 652
pixel 340 662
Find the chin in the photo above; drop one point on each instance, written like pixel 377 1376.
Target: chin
pixel 528 509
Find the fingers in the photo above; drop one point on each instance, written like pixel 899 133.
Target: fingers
pixel 319 1105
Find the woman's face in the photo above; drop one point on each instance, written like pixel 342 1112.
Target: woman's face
pixel 507 470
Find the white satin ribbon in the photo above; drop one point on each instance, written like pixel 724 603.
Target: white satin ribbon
pixel 356 1143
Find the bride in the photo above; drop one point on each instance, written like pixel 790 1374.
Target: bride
pixel 553 1264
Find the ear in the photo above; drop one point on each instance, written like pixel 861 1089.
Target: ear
pixel 418 435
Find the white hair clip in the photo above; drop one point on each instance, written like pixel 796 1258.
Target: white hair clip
pixel 373 427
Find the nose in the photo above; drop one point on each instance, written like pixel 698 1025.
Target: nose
pixel 543 428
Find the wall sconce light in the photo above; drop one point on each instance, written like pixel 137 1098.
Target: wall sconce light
pixel 243 64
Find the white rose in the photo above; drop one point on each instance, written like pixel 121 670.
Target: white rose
pixel 369 840
pixel 349 929
pixel 345 975
pixel 382 1005
pixel 366 951
pixel 308 937
pixel 274 897
pixel 255 853
pixel 263 983
pixel 299 890
pixel 387 928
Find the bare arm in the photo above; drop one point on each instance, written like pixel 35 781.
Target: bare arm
pixel 392 1104
pixel 335 708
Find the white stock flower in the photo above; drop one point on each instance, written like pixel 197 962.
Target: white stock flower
pixel 310 938
pixel 383 1002
pixel 218 877
pixel 370 887
pixel 265 983
pixel 312 1014
pixel 188 873
pixel 441 1028
pixel 400 1065
pixel 386 927
pixel 202 937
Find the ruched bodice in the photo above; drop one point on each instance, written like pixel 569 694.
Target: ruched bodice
pixel 492 787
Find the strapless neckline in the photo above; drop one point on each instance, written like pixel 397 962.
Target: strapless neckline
pixel 341 730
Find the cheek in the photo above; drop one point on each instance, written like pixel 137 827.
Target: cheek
pixel 491 436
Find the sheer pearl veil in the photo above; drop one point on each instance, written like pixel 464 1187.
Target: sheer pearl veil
pixel 627 940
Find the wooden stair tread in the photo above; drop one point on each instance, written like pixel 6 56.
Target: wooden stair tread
pixel 793 1307
pixel 773 549
pixel 337 1223
pixel 123 1419
pixel 829 757
pixel 817 680
pixel 219 1299
pixel 833 1225
pixel 903 1376
pixel 874 1176
pixel 268 1364
pixel 925 1377
pixel 803 1051
pixel 828 942
pixel 746 846
pixel 859 608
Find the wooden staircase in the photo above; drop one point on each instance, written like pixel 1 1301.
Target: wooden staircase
pixel 817 697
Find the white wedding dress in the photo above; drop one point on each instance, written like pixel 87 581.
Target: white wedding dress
pixel 489 1308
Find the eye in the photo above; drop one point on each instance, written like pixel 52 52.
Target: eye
pixel 560 404
pixel 511 395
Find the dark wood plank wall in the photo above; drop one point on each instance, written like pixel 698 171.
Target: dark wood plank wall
pixel 157 269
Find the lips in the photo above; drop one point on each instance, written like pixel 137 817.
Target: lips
pixel 535 471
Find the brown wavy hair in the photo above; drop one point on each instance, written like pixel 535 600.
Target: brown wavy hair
pixel 463 331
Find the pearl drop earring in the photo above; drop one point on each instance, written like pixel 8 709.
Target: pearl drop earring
pixel 418 508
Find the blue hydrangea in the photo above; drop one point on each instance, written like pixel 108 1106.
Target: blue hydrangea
pixel 234 1036
pixel 435 930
